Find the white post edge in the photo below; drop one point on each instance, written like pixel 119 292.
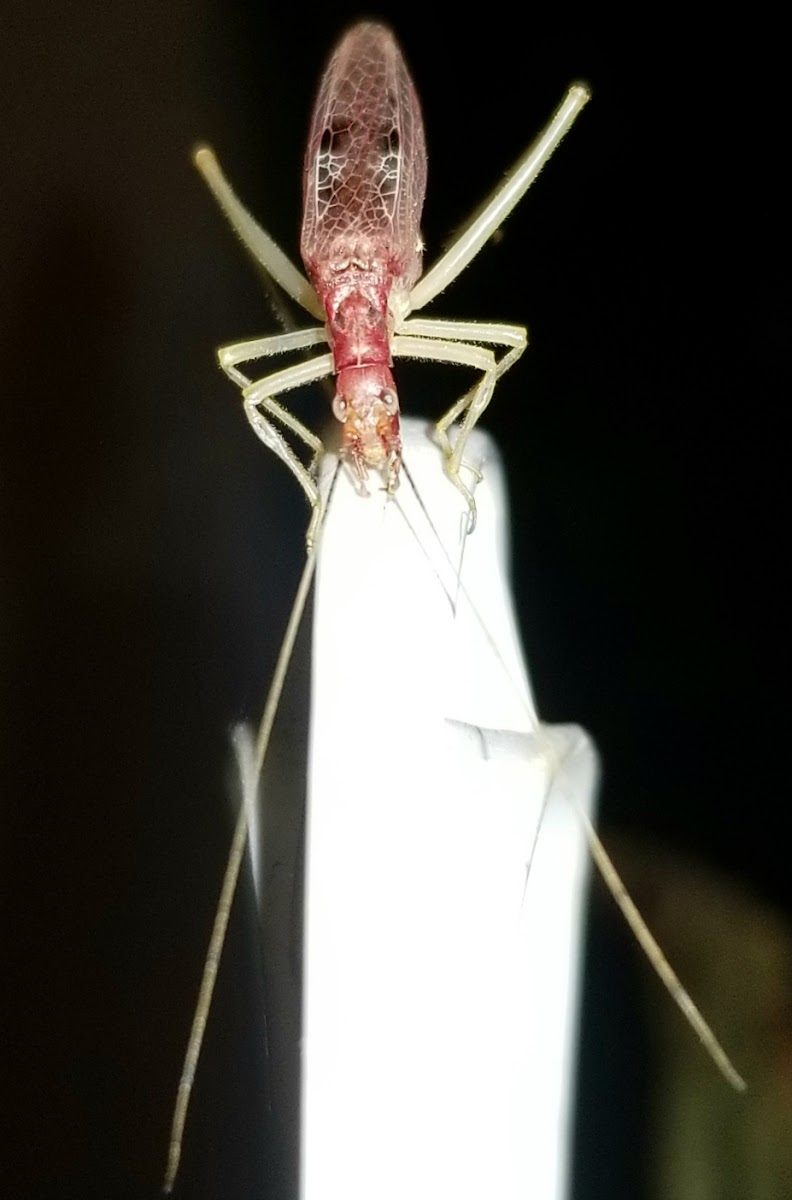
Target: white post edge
pixel 441 976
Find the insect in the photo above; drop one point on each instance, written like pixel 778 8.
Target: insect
pixel 364 181
pixel 364 184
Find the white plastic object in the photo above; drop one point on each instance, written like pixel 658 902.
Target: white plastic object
pixel 442 951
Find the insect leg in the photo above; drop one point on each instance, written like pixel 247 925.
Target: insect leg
pixel 473 403
pixel 505 197
pixel 259 399
pixel 476 332
pixel 255 240
pixel 278 343
pixel 442 345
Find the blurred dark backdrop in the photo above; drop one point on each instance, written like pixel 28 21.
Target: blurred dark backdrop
pixel 150 546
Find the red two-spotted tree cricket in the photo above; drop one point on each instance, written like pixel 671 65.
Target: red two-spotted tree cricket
pixel 364 182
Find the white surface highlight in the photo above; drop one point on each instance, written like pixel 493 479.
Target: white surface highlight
pixel 440 993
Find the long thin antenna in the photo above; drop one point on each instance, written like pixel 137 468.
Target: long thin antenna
pixel 656 957
pixel 605 866
pixel 228 889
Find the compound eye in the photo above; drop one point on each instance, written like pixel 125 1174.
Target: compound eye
pixel 339 407
pixel 391 401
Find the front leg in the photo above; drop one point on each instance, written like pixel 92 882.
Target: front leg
pixel 456 342
pixel 265 347
pixel 262 409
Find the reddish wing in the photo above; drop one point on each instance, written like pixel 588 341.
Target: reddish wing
pixel 365 165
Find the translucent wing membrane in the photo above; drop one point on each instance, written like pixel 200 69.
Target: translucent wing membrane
pixel 365 164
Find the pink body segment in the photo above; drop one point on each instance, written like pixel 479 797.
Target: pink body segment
pixel 364 187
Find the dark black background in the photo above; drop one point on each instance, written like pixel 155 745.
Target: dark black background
pixel 150 546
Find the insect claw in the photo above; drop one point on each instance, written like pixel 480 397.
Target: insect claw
pixel 454 477
pixel 472 515
pixel 315 463
pixel 311 532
